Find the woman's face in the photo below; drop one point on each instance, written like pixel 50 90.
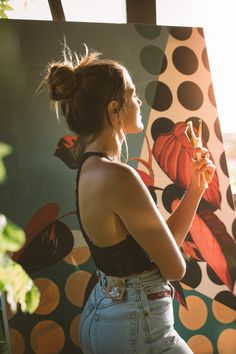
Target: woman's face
pixel 130 114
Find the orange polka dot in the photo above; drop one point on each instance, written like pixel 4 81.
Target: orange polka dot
pixel 17 341
pixel 226 343
pixel 78 255
pixel 47 337
pixel 50 295
pixel 74 330
pixel 76 286
pixel 200 344
pixel 196 315
pixel 222 313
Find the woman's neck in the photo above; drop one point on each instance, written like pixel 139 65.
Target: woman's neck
pixel 108 144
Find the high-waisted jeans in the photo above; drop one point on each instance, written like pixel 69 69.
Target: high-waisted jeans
pixel 128 315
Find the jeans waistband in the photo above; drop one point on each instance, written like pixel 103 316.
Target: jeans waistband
pixel 137 280
pixel 115 287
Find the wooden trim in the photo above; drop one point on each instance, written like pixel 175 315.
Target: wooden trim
pixel 141 11
pixel 56 10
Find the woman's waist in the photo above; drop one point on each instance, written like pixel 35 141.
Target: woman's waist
pixel 148 285
pixel 139 280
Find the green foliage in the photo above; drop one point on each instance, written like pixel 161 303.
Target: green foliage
pixel 4 151
pixel 4 6
pixel 14 281
pixel 11 238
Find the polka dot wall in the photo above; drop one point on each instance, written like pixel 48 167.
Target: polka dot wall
pixel 64 288
pixel 182 90
pixel 178 88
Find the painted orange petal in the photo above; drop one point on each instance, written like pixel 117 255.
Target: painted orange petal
pixel 172 151
pixel 209 248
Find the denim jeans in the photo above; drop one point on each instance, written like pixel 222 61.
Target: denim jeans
pixel 128 315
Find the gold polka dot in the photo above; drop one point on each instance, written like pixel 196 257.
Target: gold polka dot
pixel 76 286
pixel 226 343
pixel 196 315
pixel 200 344
pixel 50 295
pixel 222 313
pixel 17 341
pixel 47 337
pixel 74 330
pixel 78 255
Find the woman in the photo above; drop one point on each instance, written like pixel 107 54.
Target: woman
pixel 135 250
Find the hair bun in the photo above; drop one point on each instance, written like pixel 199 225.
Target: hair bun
pixel 61 82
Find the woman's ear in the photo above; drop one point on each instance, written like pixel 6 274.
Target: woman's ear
pixel 113 113
pixel 113 107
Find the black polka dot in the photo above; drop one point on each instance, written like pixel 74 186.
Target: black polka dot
pixel 200 30
pixel 171 193
pixel 204 204
pixel 205 129
pixel 223 164
pixel 212 275
pixel 180 33
pixel 148 31
pixel 205 59
pixel 211 95
pixel 227 298
pixel 158 95
pixel 160 126
pixel 153 60
pixel 234 228
pixel 185 60
pixel 229 196
pixel 193 275
pixel 190 95
pixel 217 130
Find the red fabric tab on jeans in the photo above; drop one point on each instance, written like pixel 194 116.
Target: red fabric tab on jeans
pixel 158 295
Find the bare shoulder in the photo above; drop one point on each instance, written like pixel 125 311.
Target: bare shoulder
pixel 125 186
pixel 123 175
pixel 130 200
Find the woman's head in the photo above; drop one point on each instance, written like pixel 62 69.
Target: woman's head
pixel 84 87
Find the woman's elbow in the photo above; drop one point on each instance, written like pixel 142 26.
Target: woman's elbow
pixel 176 273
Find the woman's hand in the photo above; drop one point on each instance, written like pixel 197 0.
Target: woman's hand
pixel 202 170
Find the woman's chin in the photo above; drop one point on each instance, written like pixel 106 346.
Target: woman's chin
pixel 140 127
pixel 136 130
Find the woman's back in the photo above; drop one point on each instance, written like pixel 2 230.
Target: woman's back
pixel 113 249
pixel 103 226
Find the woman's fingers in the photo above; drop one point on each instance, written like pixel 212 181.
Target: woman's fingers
pixel 203 161
pixel 200 153
pixel 207 170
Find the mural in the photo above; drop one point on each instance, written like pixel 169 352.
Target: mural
pixel 170 68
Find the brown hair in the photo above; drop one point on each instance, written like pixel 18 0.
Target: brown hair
pixel 83 86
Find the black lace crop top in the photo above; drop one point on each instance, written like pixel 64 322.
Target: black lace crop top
pixel 126 257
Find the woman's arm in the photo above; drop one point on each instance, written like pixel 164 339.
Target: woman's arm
pixel 181 219
pixel 128 197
